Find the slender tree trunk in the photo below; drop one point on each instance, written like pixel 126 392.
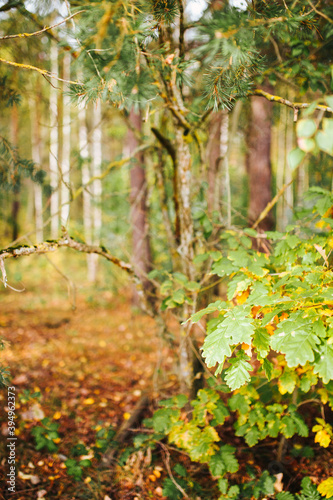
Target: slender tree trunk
pixel 213 161
pixel 258 160
pixel 85 172
pixel 280 167
pixel 36 157
pixel 138 199
pixel 185 250
pixel 224 149
pixel 96 186
pixel 16 191
pixel 54 146
pixel 66 146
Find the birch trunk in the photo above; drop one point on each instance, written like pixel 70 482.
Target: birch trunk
pixel 258 161
pixel 36 145
pixel 16 191
pixel 85 173
pixel 54 145
pixel 66 146
pixel 185 250
pixel 224 142
pixel 96 187
pixel 139 218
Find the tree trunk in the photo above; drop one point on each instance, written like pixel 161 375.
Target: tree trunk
pixel 85 174
pixel 36 157
pixel 66 146
pixel 138 200
pixel 96 186
pixel 54 146
pixel 258 160
pixel 213 161
pixel 16 190
pixel 185 250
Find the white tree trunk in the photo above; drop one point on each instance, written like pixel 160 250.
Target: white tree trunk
pixel 36 157
pixel 224 149
pixel 66 146
pixel 54 145
pixel 96 186
pixel 85 171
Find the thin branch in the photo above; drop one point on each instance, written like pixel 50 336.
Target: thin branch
pixel 166 143
pixel 320 13
pixel 271 204
pixel 36 33
pixel 168 468
pixel 286 102
pixel 65 241
pixel 43 72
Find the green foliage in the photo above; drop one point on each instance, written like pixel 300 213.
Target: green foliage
pixel 46 434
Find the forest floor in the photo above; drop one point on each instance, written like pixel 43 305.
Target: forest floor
pixel 85 370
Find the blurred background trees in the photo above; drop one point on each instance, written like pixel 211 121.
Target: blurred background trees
pixel 151 133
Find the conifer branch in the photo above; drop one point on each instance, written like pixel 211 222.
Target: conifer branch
pixel 36 33
pixel 286 102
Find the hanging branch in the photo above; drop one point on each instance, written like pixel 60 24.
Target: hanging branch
pixel 286 102
pixel 36 33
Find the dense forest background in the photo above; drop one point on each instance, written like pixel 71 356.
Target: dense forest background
pixel 167 191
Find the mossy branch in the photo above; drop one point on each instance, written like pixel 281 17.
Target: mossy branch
pixel 65 241
pixel 286 102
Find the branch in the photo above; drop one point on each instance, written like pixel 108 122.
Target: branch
pixel 293 105
pixel 36 33
pixel 165 143
pixel 65 241
pixel 271 204
pixel 43 72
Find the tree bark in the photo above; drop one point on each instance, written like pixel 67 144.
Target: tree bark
pixel 36 157
pixel 138 200
pixel 16 191
pixel 96 187
pixel 66 147
pixel 54 145
pixel 85 174
pixel 258 161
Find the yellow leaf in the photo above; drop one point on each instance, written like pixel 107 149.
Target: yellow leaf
pixel 57 415
pixel 157 473
pixel 323 438
pixel 127 415
pixel 241 297
pixel 87 480
pixel 323 393
pixel 152 477
pixel 326 488
pixel 102 343
pixel 89 401
pixel 56 440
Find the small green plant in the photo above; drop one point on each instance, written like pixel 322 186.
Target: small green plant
pixel 75 467
pixel 46 435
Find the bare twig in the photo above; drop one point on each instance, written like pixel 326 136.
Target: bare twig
pixel 320 13
pixel 43 72
pixel 36 33
pixel 166 460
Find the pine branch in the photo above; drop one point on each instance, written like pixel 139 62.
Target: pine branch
pixel 286 102
pixel 36 33
pixel 52 246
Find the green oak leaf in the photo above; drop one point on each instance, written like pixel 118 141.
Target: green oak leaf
pixel 295 338
pixel 238 373
pixel 324 365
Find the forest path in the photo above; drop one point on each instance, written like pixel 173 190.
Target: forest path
pixel 91 366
